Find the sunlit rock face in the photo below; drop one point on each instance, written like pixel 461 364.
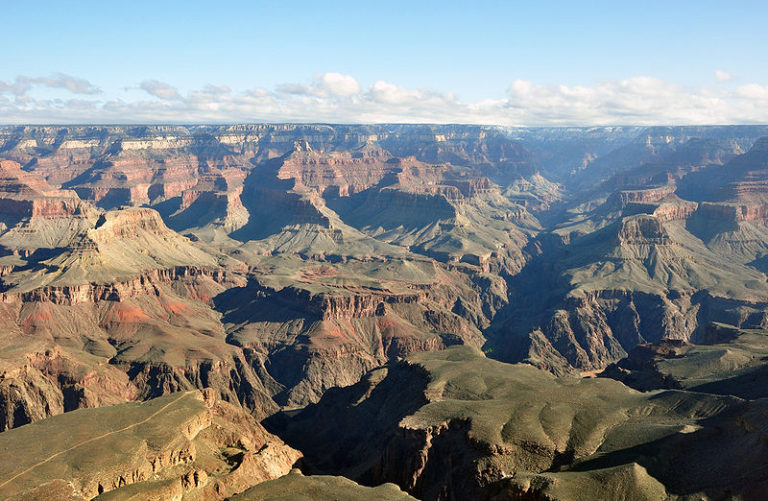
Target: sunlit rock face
pixel 271 265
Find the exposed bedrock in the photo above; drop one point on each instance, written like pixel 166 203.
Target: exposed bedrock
pixel 313 254
pixel 312 341
pixel 91 293
pixel 189 445
pixel 90 345
pixel 156 334
pixel 594 329
pixel 455 425
pixel 50 384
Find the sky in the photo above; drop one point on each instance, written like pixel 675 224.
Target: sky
pixel 532 63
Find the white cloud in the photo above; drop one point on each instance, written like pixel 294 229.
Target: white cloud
pixel 753 92
pixel 385 92
pixel 216 90
pixel 23 84
pixel 723 76
pixel 336 84
pixel 68 82
pixel 333 97
pixel 16 88
pixel 257 92
pixel 639 100
pixel 160 89
pixel 324 85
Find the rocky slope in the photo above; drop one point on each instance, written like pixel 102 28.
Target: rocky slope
pixel 272 264
pixel 112 305
pixel 319 487
pixel 464 218
pixel 727 360
pixel 321 326
pixel 456 425
pixel 643 265
pixel 182 446
pixel 453 194
pixel 102 308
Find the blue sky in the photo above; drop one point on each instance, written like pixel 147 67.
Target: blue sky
pixel 516 63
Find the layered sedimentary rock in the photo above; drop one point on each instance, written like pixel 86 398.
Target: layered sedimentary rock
pixel 641 266
pixel 270 265
pixel 336 322
pixel 643 278
pixel 330 192
pixel 121 307
pixel 455 425
pixel 102 308
pixel 273 262
pixel 83 346
pixel 183 446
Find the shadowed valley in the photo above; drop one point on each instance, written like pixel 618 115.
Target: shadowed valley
pixel 399 304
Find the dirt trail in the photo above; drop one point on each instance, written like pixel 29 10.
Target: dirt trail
pixel 53 456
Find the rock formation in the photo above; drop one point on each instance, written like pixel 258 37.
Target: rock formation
pixel 273 265
pixel 183 446
pixel 319 487
pixel 456 425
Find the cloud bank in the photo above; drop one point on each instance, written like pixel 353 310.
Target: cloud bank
pixel 338 98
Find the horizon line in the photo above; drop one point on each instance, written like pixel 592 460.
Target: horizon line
pixel 371 124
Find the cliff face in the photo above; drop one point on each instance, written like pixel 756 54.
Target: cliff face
pixel 343 172
pixel 25 195
pixel 662 270
pixel 92 303
pixel 274 262
pixel 90 345
pixel 455 425
pixel 51 207
pixel 125 308
pixel 274 265
pixel 625 197
pixel 318 334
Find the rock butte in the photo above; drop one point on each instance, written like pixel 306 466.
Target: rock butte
pixel 271 267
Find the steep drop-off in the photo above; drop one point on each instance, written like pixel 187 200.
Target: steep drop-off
pixel 456 425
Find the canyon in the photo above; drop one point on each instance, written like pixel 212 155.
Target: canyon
pixel 395 310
